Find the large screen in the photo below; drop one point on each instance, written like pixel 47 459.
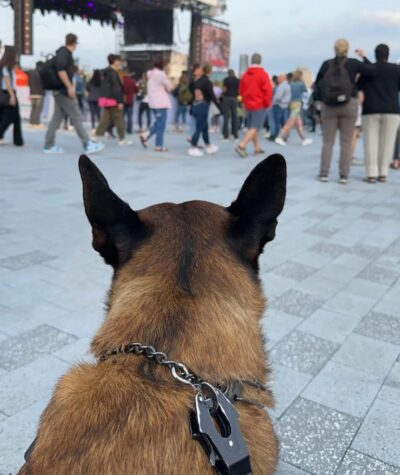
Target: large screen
pixel 215 45
pixel 149 26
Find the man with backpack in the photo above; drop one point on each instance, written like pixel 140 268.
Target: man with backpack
pixel 336 88
pixel 57 75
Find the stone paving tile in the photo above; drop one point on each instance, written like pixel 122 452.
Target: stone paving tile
pixel 29 383
pixel 303 352
pixel 4 230
pixel 52 191
pixel 76 352
pixel 352 261
pixel 379 275
pixel 29 346
pixel 390 391
pixel 286 385
pixel 318 215
pixel 288 469
pixel 278 324
pixel 319 286
pixel 394 248
pixel 329 325
pixel 349 304
pixel 23 261
pixel 322 230
pixel 333 250
pixel 379 434
pixel 366 289
pixel 314 437
pixel 16 435
pixel 294 270
pixel 297 303
pixel 371 216
pixel 355 463
pixel 367 354
pixel 344 389
pixel 363 250
pixel 380 326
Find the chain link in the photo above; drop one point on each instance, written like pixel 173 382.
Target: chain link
pixel 178 370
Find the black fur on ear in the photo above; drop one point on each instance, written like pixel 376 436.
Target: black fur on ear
pixel 116 228
pixel 257 208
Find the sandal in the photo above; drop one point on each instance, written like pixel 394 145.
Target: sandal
pixel 370 179
pixel 382 179
pixel 259 152
pixel 395 165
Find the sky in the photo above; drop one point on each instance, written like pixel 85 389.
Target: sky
pixel 287 34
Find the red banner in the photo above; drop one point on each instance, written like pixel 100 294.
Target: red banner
pixel 215 45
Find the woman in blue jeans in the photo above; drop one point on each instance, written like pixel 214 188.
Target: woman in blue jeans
pixel 158 91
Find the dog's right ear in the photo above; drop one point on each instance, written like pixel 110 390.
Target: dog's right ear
pixel 116 227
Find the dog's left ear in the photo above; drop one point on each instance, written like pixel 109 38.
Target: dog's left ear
pixel 116 227
pixel 258 206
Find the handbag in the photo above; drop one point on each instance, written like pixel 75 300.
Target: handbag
pixel 106 102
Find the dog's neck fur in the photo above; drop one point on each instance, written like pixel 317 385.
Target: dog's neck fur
pixel 206 330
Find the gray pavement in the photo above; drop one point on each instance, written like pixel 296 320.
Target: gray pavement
pixel 331 278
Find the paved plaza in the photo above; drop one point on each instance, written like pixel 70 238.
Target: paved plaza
pixel 331 278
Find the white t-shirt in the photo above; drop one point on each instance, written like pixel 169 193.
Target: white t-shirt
pixel 6 72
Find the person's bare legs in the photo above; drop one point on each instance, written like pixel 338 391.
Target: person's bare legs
pixel 256 143
pixel 248 137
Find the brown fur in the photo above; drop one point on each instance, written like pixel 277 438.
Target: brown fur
pixel 185 291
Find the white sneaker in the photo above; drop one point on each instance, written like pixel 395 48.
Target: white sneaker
pixel 53 150
pixel 195 152
pixel 211 149
pixel 4 142
pixel 124 142
pixel 94 147
pixel 280 141
pixel 306 142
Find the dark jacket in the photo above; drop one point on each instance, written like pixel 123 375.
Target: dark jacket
pixel 207 88
pixel 353 66
pixel 111 86
pixel 64 61
pixel 35 83
pixel 130 89
pixel 381 91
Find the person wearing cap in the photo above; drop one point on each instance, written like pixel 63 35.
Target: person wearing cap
pixel 255 90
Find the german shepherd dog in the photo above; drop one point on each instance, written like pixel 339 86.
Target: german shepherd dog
pixel 185 282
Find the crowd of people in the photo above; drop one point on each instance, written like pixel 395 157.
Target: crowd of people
pixel 349 95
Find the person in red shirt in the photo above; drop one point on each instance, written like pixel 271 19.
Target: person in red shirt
pixel 256 92
pixel 130 89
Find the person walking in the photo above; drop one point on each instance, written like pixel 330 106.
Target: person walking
pixel 130 89
pixel 297 90
pixel 256 91
pixel 65 103
pixel 9 113
pixel 158 90
pixel 80 87
pixel 280 105
pixel 230 105
pixel 336 88
pixel 94 91
pixel 144 107
pixel 184 97
pixel 205 94
pixel 36 93
pixel 112 100
pixel 380 114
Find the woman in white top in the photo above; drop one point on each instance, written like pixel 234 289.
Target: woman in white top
pixel 9 107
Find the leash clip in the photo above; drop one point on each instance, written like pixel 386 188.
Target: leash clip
pixel 226 448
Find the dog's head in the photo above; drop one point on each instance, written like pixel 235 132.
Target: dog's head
pixel 196 247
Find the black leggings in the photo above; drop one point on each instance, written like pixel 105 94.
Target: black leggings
pixel 144 109
pixel 94 113
pixel 10 115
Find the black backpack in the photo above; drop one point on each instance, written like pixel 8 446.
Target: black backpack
pixel 49 76
pixel 336 86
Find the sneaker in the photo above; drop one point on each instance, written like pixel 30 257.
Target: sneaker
pixel 267 135
pixel 323 179
pixel 280 141
pixel 195 152
pixel 93 147
pixel 53 150
pixel 4 142
pixel 211 149
pixel 306 142
pixel 241 151
pixel 343 180
pixel 124 142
